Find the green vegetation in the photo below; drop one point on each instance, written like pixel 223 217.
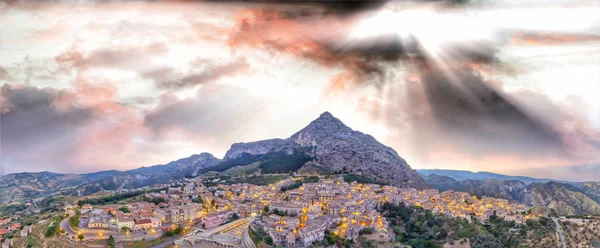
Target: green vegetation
pixel 244 159
pixel 80 237
pixel 115 198
pixel 110 241
pixel 155 200
pixel 172 232
pixel 74 220
pixel 257 180
pixel 419 228
pixel 53 228
pixel 272 162
pixel 367 231
pixel 125 229
pixel 124 209
pixel 361 179
pixel 299 182
pixel 331 239
pixel 281 162
pixel 12 209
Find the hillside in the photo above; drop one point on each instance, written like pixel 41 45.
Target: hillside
pixel 566 199
pixel 328 144
pixel 462 175
pixel 27 186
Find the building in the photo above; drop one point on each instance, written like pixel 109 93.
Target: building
pixel 3 231
pixel 125 221
pixel 211 221
pixel 288 207
pixel 14 226
pixel 5 221
pixel 7 243
pixel 144 224
pixel 25 231
pixel 312 232
pixel 97 222
pixel 183 213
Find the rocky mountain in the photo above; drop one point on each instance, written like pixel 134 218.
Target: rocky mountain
pixel 591 188
pixel 253 148
pixel 565 198
pixel 462 175
pixel 30 186
pixel 328 144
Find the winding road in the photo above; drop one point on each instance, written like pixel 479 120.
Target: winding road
pixel 560 233
pixel 104 233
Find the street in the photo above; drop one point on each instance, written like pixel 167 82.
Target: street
pixel 560 233
pixel 104 234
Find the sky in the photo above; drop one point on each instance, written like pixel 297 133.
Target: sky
pixel 511 87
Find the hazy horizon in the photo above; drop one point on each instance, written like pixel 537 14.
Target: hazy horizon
pixel 99 86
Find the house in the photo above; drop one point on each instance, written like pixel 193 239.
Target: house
pixel 25 231
pixel 5 221
pixel 14 226
pixel 4 231
pixel 312 232
pixel 97 222
pixel 211 221
pixel 290 239
pixel 125 221
pixel 7 243
pixel 183 213
pixel 288 207
pixel 144 224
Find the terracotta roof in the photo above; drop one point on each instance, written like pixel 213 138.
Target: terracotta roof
pixel 144 221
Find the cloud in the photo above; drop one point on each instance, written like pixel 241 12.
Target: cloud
pixel 201 72
pixel 3 73
pixel 34 120
pixel 217 116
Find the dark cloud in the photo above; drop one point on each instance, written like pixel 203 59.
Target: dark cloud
pixel 202 71
pixel 33 123
pixel 449 99
pixel 483 119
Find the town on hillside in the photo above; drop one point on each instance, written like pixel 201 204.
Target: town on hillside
pixel 297 211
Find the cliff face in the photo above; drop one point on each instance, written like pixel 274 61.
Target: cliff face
pixel 337 148
pixel 257 147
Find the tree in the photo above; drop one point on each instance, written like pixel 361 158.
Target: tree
pixel 74 221
pixel 266 209
pixel 124 209
pixel 269 240
pixel 125 229
pixel 212 202
pixel 80 237
pixel 110 241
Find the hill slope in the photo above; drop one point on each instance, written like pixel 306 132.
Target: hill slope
pixel 462 175
pixel 330 145
pixel 566 199
pixel 24 186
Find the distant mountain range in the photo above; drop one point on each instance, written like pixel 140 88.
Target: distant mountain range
pixel 461 175
pixel 564 198
pixel 32 185
pixel 326 145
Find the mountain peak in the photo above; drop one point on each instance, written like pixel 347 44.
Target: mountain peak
pixel 326 114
